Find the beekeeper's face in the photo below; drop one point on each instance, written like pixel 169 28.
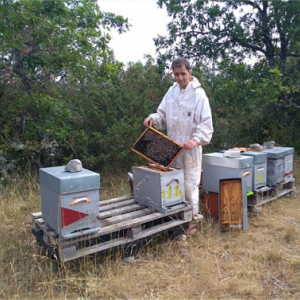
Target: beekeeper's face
pixel 182 76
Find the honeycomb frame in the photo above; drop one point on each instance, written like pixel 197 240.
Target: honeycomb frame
pixel 157 148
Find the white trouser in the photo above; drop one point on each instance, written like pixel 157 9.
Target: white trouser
pixel 190 161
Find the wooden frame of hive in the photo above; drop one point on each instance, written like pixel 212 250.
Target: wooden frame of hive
pixel 152 146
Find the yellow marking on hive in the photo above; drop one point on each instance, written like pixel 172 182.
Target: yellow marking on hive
pixel 260 178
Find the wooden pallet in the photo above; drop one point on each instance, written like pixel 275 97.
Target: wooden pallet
pixel 267 194
pixel 123 222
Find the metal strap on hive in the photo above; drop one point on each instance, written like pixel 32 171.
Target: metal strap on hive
pixel 157 148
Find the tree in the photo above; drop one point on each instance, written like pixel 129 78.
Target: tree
pixel 47 50
pixel 268 30
pixel 109 115
pixel 258 100
pixel 44 40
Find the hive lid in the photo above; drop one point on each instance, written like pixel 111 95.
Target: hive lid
pixel 218 159
pixel 157 148
pixel 258 156
pixel 279 152
pixel 63 182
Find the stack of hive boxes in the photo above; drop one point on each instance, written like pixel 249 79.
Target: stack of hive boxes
pixel 217 167
pixel 279 165
pixel 263 169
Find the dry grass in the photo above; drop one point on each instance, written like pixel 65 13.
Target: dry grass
pixel 261 263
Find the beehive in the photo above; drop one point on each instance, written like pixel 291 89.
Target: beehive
pixel 259 174
pixel 279 165
pixel 70 201
pixel 158 189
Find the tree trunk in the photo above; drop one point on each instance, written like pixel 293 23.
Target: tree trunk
pixel 267 39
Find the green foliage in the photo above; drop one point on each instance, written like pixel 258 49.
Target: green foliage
pixel 281 108
pixel 96 121
pixel 238 29
pixel 108 116
pixel 38 124
pixel 44 40
pixel 236 112
pixel 65 96
pixel 48 50
pixel 253 105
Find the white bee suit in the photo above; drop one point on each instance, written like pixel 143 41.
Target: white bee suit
pixel 186 114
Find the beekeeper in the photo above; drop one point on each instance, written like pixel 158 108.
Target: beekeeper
pixel 186 115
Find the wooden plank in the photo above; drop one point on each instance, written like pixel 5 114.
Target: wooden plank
pixel 159 228
pixel 143 219
pixel 96 248
pixel 37 222
pixel 180 211
pixel 119 211
pixel 67 253
pixel 131 223
pixel 124 217
pixel 49 231
pixel 116 205
pixel 40 222
pixel 188 216
pixel 115 200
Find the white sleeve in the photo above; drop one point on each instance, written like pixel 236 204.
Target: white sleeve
pixel 203 118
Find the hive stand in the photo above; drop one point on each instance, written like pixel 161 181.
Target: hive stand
pixel 123 223
pixel 266 194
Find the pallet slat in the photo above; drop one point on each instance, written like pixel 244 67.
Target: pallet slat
pixel 107 207
pixel 121 218
pixel 115 200
pixel 118 211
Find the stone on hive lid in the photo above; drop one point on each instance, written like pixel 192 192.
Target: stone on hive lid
pixel 73 166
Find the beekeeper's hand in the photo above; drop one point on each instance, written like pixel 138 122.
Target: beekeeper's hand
pixel 188 145
pixel 148 122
